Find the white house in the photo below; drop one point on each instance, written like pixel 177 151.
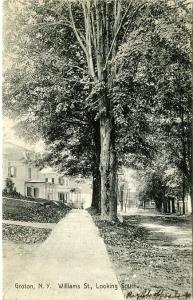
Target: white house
pixel 17 167
pixel 47 183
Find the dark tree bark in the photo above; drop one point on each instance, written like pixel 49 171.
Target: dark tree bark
pixel 108 168
pixel 96 193
pixel 183 193
pixel 185 171
pixel 191 160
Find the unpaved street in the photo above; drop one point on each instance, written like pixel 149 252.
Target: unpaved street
pixel 152 254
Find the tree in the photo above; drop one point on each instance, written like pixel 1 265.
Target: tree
pixel 162 78
pixel 47 91
pixel 94 64
pixel 98 42
pixel 102 24
pixel 10 189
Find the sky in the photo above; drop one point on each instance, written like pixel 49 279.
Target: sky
pixel 9 135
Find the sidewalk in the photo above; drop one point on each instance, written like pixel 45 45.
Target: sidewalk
pixel 70 265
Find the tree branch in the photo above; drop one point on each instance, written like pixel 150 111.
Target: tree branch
pixel 116 34
pixel 43 24
pixel 88 32
pixel 77 67
pixel 93 30
pixel 76 31
pixel 139 7
pixel 76 122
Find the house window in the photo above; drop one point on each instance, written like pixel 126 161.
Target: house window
pixel 52 180
pixel 36 192
pixel 12 171
pixel 66 196
pixel 29 173
pixel 66 182
pixel 61 180
pixel 29 191
pixel 63 197
pixel 46 179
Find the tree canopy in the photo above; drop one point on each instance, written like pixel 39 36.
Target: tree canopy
pixel 99 81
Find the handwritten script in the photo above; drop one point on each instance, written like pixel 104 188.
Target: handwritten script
pixel 157 295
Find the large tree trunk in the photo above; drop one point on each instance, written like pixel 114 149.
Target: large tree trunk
pixel 191 160
pixel 96 193
pixel 183 193
pixel 185 174
pixel 105 133
pixel 113 177
pixel 113 186
pixel 108 169
pixel 191 179
pixel 191 169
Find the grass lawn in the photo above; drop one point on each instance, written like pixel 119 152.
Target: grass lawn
pixel 24 234
pixel 149 264
pixel 46 212
pixel 30 212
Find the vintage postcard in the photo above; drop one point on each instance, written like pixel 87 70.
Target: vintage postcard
pixel 97 150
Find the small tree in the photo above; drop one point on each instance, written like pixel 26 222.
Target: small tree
pixel 10 189
pixel 9 186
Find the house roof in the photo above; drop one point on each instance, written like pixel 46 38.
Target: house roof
pixel 48 170
pixel 17 153
pixel 14 152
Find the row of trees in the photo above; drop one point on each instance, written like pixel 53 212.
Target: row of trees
pixel 104 83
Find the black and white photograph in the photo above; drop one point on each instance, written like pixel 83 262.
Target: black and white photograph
pixel 97 151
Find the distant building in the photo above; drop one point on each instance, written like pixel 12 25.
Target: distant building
pixel 47 183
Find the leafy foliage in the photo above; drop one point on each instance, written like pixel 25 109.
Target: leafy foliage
pixel 49 86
